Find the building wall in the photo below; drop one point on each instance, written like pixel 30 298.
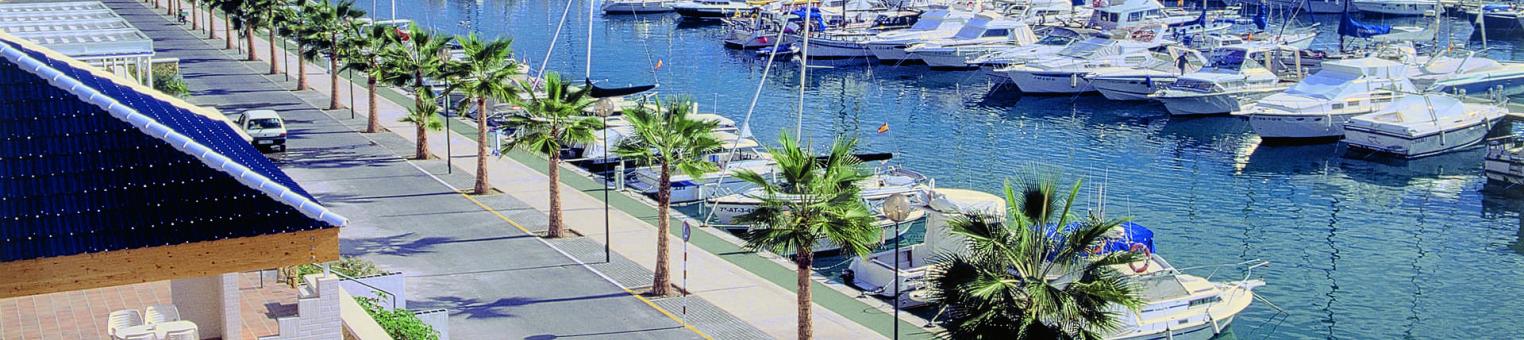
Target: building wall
pixel 317 316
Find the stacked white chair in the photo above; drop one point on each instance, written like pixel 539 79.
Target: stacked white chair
pixel 184 334
pixel 162 313
pixel 122 319
pixel 142 336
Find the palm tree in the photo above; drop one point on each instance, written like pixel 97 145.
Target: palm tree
pixel 419 56
pixel 270 15
pixel 309 41
pixel 671 138
pixel 328 25
pixel 1032 276
pixel 425 117
pixel 486 72
pixel 211 18
pixel 816 200
pixel 555 120
pixel 229 9
pixel 363 45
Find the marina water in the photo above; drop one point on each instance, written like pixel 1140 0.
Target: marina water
pixel 1360 248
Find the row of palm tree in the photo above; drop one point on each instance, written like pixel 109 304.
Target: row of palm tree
pixel 1004 286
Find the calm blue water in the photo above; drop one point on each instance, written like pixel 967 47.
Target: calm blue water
pixel 1360 248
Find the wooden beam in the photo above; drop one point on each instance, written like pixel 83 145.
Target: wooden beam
pixel 115 268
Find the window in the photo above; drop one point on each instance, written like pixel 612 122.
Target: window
pixel 1000 32
pixel 1354 103
pixel 264 123
pixel 1135 16
pixel 1337 106
pixel 1203 301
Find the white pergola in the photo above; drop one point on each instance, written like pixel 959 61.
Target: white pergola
pixel 85 30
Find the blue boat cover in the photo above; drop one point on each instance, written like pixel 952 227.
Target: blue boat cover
pixel 1349 27
pixel 1132 233
pixel 1262 18
pixel 89 164
pixel 811 14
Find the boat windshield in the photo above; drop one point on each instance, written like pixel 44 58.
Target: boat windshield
pixel 1083 49
pixel 1327 84
pixel 1229 60
pixel 969 32
pixel 1054 40
pixel 927 25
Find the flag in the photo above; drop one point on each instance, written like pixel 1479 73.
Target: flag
pixel 403 34
pixel 658 64
pixel 883 128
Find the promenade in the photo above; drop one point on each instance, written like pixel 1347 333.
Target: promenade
pixel 475 255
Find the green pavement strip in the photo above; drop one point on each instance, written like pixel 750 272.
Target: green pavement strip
pixel 847 306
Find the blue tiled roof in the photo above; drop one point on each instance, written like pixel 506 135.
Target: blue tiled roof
pixel 88 164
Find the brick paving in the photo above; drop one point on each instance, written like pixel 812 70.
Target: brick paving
pixel 81 314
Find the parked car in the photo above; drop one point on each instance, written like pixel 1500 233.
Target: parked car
pixel 265 126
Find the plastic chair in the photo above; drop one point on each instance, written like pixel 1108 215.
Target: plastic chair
pixel 184 334
pixel 142 336
pixel 122 319
pixel 162 313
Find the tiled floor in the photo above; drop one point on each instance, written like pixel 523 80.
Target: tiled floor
pixel 82 314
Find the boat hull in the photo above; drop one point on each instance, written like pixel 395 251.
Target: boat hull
pixel 891 53
pixel 705 13
pixel 1292 127
pixel 1051 82
pixel 692 193
pixel 1391 8
pixel 1504 172
pixel 1129 89
pixel 645 7
pixel 831 49
pixel 1204 331
pixel 1371 140
pixel 1216 104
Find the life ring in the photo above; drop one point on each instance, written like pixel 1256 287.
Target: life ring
pixel 1139 248
pixel 1096 250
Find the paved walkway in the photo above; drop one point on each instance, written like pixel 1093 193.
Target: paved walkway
pixel 752 287
pixel 496 280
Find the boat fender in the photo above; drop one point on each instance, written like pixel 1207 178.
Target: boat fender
pixel 1139 248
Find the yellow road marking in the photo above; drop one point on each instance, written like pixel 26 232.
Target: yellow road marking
pixel 626 290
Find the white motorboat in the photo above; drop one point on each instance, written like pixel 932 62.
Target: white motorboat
pixel 1130 14
pixel 618 129
pixel 1504 162
pixel 1131 83
pixel 1470 74
pixel 982 35
pixel 849 38
pixel 1398 7
pixel 637 6
pixel 1177 305
pixel 938 22
pixel 1422 125
pixel 1317 107
pixel 1057 39
pixel 1306 6
pixel 875 273
pixel 756 31
pixel 884 183
pixel 744 154
pixel 1069 72
pixel 710 9
pixel 1238 75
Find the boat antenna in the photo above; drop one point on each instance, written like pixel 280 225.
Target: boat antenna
pixel 804 67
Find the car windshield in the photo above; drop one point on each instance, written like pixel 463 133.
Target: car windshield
pixel 264 123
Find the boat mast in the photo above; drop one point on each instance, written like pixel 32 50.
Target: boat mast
pixel 804 67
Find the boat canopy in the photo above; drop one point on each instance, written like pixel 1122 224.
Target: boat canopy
pixel 1332 82
pixel 1348 26
pixel 1421 109
pixel 1119 239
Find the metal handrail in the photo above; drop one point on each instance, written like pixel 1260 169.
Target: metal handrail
pixel 389 295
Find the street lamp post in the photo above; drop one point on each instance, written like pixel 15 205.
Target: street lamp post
pixel 897 208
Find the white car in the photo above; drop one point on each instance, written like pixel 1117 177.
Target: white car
pixel 266 128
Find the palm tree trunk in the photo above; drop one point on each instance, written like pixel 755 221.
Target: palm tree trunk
pixel 248 35
pixel 169 7
pixel 211 22
pixel 421 151
pixel 301 69
pixel 374 125
pixel 227 30
pixel 195 17
pixel 482 187
pixel 806 260
pixel 661 280
pixel 333 72
pixel 274 66
pixel 555 229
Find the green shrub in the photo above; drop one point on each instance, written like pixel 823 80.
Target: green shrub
pixel 347 266
pixel 166 78
pixel 401 324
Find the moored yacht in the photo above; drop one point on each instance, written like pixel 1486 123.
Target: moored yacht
pixel 875 189
pixel 742 154
pixel 875 273
pixel 1317 107
pixel 1397 7
pixel 1238 75
pixel 1423 124
pixel 637 6
pixel 1057 39
pixel 982 35
pixel 938 22
pixel 1504 162
pixel 710 9
pixel 1069 72
pixel 1177 305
